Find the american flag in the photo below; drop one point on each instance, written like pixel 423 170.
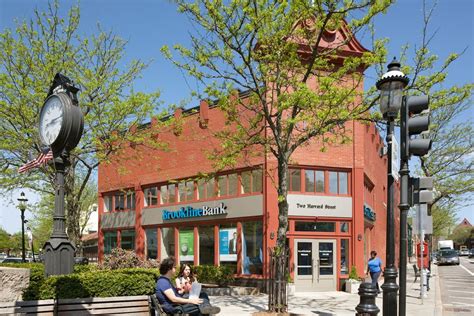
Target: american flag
pixel 42 159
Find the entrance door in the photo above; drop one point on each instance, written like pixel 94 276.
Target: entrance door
pixel 315 265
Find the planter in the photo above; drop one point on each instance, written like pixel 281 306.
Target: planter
pixel 352 286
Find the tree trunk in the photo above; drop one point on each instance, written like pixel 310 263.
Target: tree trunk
pixel 280 252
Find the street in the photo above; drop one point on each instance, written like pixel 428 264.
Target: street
pixel 457 287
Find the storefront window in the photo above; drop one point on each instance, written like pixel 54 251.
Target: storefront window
pixel 201 189
pixel 252 233
pixel 344 256
pixel 171 193
pixel 151 196
pixel 110 241
pixel 222 186
pixel 127 240
pixel 206 245
pixel 228 246
pixel 185 191
pixel 186 246
pixel 167 242
pixel 315 226
pixel 151 244
pixel 343 183
pixel 344 227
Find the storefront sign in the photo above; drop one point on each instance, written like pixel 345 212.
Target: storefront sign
pixel 188 211
pixel 311 205
pixel 368 213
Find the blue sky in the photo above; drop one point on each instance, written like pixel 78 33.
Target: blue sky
pixel 150 24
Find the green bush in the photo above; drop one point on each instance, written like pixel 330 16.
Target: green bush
pixel 211 274
pixel 353 274
pixel 100 283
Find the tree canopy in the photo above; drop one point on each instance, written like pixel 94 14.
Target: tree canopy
pixel 30 56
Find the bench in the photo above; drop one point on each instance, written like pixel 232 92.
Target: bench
pixel 125 305
pixel 417 272
pixel 156 307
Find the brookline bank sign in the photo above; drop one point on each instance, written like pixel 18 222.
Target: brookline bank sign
pixel 189 211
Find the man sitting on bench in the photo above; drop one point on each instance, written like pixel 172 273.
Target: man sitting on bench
pixel 173 302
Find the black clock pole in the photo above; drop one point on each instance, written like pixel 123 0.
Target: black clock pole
pixel 59 250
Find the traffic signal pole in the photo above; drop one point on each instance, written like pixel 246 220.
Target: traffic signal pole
pixel 404 207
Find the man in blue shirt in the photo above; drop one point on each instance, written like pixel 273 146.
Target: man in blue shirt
pixel 374 266
pixel 173 302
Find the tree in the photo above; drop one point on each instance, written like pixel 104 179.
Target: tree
pixel 450 160
pixel 29 58
pixel 299 88
pixel 4 240
pixel 461 235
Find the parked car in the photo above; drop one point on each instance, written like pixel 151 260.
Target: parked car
pixel 448 256
pixel 471 253
pixel 81 260
pixel 16 260
pixel 464 252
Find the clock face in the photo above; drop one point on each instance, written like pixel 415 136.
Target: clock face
pixel 51 120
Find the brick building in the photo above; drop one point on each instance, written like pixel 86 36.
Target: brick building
pixel 157 205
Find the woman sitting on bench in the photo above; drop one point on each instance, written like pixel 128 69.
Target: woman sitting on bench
pixel 174 302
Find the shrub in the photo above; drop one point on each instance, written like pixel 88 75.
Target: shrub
pixel 121 259
pixel 100 283
pixel 353 274
pixel 222 275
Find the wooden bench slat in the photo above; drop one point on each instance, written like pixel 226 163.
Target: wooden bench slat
pixel 109 311
pixel 26 303
pixel 87 306
pixel 29 309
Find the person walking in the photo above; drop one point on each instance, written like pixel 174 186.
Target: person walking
pixel 173 302
pixel 374 266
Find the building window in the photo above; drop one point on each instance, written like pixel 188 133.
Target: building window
pixel 344 256
pixel 127 240
pixel 168 193
pixel 206 245
pixel 210 188
pixel 185 191
pixel 167 242
pixel 151 196
pixel 228 242
pixel 245 182
pixel 108 203
pixel 344 227
pixel 119 200
pixel 252 233
pixel 257 181
pixel 338 182
pixel 320 181
pixel 315 227
pixel 233 184
pixel 131 200
pixel 309 181
pixel 294 180
pixel 110 241
pixel 151 243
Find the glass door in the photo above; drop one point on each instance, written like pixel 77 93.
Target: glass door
pixel 315 265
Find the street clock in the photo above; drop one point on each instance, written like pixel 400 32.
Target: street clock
pixel 60 122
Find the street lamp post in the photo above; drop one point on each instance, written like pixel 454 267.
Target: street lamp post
pixel 22 206
pixel 391 87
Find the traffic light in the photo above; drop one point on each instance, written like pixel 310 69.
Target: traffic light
pixel 413 123
pixel 420 191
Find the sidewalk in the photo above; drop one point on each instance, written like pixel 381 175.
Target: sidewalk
pixel 335 303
